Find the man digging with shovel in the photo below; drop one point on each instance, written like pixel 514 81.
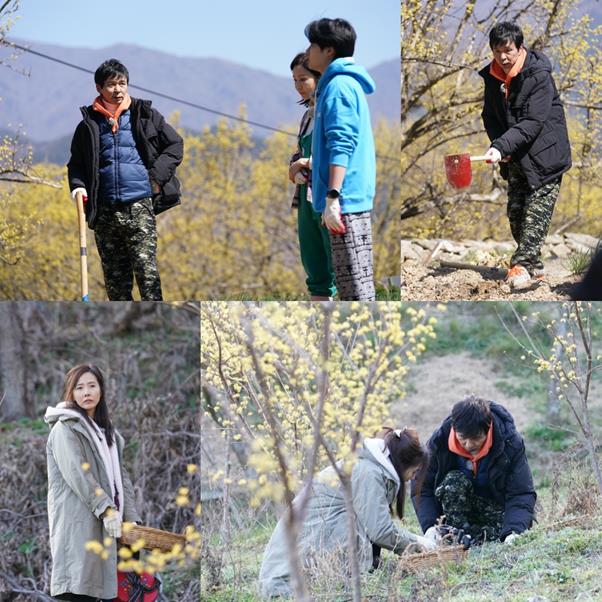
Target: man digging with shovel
pixel 525 122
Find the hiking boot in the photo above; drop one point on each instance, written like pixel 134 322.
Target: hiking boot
pixel 518 278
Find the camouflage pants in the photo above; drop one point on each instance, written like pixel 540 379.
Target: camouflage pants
pixel 126 239
pixel 481 518
pixel 530 213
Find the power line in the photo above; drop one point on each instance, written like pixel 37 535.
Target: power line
pixel 149 91
pixel 166 96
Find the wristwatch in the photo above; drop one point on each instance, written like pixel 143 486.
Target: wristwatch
pixel 333 193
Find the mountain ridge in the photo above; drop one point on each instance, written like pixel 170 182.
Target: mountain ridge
pixel 212 82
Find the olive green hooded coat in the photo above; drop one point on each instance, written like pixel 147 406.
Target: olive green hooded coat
pixel 76 499
pixel 374 485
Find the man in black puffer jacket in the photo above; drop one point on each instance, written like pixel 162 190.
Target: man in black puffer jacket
pixel 478 475
pixel 123 160
pixel 525 121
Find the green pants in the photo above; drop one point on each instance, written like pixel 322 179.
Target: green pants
pixel 314 245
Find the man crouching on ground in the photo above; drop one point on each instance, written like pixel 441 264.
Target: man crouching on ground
pixel 478 476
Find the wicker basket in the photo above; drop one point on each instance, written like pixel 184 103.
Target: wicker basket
pixel 153 538
pixel 418 562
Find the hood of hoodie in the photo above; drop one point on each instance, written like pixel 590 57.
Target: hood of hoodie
pixel 535 61
pixel 61 412
pixel 347 67
pixel 379 453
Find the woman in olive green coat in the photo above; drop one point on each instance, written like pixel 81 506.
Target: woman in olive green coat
pixel 89 491
pixel 378 478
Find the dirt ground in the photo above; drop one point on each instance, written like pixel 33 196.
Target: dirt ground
pixel 436 383
pixel 435 283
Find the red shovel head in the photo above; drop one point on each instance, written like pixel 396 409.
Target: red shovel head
pixel 458 171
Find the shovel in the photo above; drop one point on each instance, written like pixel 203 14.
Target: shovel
pixel 83 252
pixel 458 169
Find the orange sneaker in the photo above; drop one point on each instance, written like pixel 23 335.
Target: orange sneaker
pixel 538 274
pixel 518 278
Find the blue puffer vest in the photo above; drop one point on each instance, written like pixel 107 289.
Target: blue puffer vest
pixel 123 175
pixel 480 482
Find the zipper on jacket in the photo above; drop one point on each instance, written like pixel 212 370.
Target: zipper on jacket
pixel 116 156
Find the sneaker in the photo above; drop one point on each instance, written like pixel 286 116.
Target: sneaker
pixel 518 278
pixel 537 274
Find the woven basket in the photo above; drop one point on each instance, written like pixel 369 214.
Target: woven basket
pixel 418 562
pixel 153 538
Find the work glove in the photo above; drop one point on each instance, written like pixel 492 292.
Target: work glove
pixel 301 177
pixel 83 191
pixel 332 217
pixel 452 535
pixel 426 544
pixel 112 523
pixel 296 166
pixel 510 539
pixel 493 155
pixel 433 534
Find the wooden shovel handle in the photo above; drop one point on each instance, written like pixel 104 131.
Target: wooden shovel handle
pixel 83 247
pixel 479 158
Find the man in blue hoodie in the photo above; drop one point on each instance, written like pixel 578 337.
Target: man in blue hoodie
pixel 343 157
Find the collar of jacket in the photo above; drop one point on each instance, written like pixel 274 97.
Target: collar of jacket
pixel 496 70
pixel 137 107
pixel 457 448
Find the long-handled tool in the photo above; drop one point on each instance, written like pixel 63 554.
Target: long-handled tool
pixel 83 249
pixel 458 169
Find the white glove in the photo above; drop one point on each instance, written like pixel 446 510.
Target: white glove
pixel 424 542
pixel 493 155
pixel 112 523
pixel 332 217
pixel 511 538
pixel 300 178
pixel 433 534
pixel 82 190
pixel 296 166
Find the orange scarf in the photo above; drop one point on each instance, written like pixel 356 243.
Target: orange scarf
pixel 112 111
pixel 496 70
pixel 456 447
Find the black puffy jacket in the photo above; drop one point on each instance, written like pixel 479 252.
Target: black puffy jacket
pixel 529 125
pixel 160 147
pixel 510 479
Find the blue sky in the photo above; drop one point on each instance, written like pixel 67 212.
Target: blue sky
pixel 263 34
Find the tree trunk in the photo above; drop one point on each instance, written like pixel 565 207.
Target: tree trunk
pixel 13 373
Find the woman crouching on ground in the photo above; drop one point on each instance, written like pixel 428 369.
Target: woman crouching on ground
pixel 378 479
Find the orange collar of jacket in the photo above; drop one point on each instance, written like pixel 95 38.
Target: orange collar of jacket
pixel 456 447
pixel 112 112
pixel 496 70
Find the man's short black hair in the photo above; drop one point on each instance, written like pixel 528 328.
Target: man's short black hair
pixel 332 33
pixel 471 417
pixel 110 68
pixel 505 32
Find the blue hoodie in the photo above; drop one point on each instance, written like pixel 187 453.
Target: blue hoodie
pixel 343 136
